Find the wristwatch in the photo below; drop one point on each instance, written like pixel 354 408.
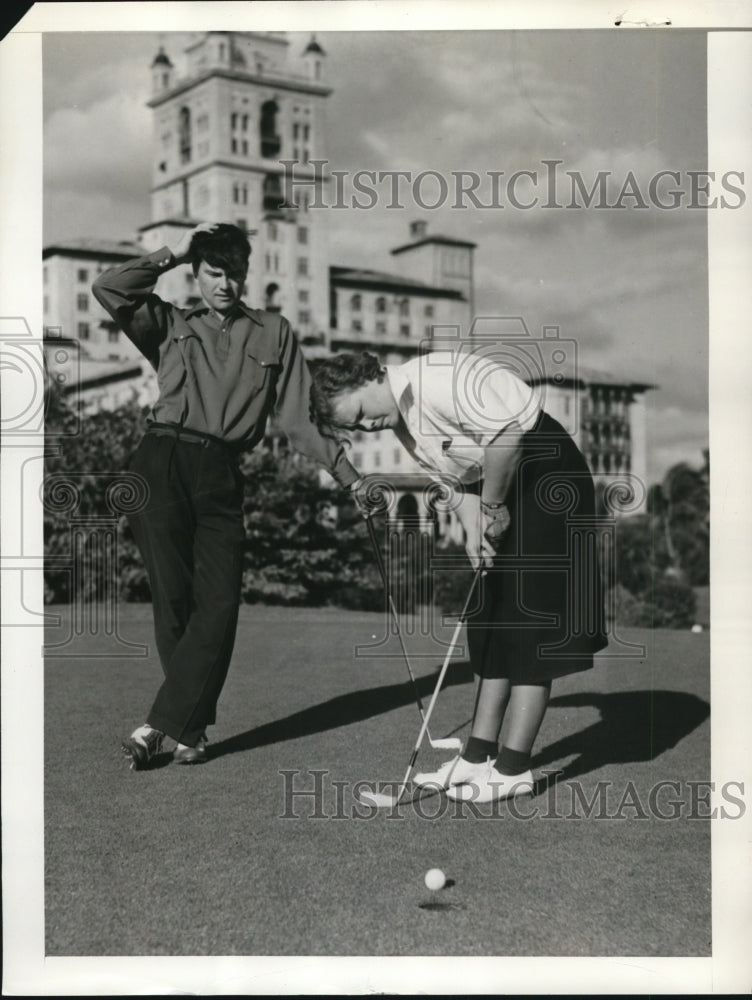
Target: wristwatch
pixel 494 508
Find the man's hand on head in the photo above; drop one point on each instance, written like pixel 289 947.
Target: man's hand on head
pixel 182 249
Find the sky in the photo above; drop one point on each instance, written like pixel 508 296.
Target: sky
pixel 629 286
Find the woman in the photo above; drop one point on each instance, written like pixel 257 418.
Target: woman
pixel 528 513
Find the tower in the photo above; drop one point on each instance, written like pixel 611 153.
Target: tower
pixel 220 132
pixel 162 72
pixel 443 261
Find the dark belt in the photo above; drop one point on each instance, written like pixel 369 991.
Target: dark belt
pixel 191 437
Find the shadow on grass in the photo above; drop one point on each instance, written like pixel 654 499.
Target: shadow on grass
pixel 634 726
pixel 344 710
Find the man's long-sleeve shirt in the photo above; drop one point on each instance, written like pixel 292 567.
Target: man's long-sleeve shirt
pixel 219 375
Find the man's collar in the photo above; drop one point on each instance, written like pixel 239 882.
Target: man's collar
pixel 240 306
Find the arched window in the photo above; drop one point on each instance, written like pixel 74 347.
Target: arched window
pixel 404 307
pixel 184 129
pixel 381 304
pixel 407 510
pixel 270 140
pixel 356 303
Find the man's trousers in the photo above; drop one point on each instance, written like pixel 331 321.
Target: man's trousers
pixel 190 534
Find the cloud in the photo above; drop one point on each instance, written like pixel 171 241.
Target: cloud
pixel 629 286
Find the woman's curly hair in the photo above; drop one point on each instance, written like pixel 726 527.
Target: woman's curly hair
pixel 333 376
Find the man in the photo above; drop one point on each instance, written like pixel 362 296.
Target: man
pixel 223 369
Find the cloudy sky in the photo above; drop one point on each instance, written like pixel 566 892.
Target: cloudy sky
pixel 630 285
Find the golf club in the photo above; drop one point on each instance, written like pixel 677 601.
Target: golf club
pixel 379 799
pixel 451 742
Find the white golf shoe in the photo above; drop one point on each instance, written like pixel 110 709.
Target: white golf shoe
pixel 492 785
pixel 454 772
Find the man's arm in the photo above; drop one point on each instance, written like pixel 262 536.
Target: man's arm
pixel 127 293
pixel 293 413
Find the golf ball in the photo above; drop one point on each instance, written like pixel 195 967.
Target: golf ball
pixel 435 879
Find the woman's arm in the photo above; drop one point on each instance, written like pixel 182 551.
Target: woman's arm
pixel 501 457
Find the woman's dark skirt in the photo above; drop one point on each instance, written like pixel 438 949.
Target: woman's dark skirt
pixel 541 612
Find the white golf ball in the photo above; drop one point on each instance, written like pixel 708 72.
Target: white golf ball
pixel 697 628
pixel 435 879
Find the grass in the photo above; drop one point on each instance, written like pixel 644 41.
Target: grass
pixel 203 861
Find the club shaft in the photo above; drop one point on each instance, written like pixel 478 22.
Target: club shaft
pixel 439 682
pixel 394 614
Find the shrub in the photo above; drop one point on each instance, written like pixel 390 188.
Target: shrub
pixel 669 603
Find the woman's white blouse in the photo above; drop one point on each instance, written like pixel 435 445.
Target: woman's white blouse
pixel 454 404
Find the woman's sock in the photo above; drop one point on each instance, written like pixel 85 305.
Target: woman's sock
pixel 512 761
pixel 477 750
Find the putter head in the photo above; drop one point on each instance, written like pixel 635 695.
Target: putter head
pixel 450 743
pixel 378 799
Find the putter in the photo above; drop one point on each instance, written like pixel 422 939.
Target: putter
pixel 381 800
pixel 450 742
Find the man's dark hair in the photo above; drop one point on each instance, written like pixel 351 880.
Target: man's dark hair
pixel 225 246
pixel 332 376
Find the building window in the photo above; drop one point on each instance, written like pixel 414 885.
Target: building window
pixel 404 329
pixel 272 193
pixel 397 456
pixel 113 336
pixel 428 331
pixel 404 307
pixel 381 304
pixel 356 303
pixel 303 295
pixel 357 459
pixel 381 327
pixel 82 302
pixel 83 331
pixel 377 460
pixel 270 141
pixel 302 234
pixel 234 144
pixel 357 326
pixel 185 135
pixel 302 266
pixel 428 309
pixel 83 274
pixel 271 231
pixel 242 224
pixel 304 317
